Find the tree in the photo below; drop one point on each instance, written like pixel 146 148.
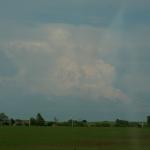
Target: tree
pixel 121 123
pixel 3 117
pixel 148 120
pixel 4 120
pixel 40 120
pixel 12 121
pixel 32 121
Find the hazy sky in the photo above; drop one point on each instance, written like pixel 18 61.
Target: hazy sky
pixel 86 59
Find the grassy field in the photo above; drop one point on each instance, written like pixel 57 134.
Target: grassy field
pixel 67 138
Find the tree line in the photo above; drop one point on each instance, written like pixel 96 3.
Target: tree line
pixel 39 120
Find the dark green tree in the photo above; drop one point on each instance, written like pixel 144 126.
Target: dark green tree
pixel 148 121
pixel 3 117
pixel 121 123
pixel 40 120
pixel 12 121
pixel 33 121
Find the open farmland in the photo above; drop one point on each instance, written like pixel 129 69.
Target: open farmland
pixel 67 138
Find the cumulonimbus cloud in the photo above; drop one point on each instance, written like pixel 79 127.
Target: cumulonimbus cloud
pixel 67 60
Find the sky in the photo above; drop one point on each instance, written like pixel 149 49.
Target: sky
pixel 81 59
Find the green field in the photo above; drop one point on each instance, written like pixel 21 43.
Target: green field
pixel 67 138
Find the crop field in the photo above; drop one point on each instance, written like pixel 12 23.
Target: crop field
pixel 67 138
